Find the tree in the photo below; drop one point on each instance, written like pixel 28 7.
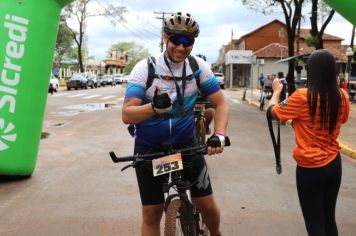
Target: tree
pixel 133 51
pixel 79 11
pixel 316 35
pixel 292 11
pixel 64 43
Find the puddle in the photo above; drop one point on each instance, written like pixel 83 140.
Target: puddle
pixel 73 110
pixel 44 135
pixel 57 125
pixel 87 107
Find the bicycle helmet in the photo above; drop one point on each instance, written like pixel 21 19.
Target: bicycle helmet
pixel 180 23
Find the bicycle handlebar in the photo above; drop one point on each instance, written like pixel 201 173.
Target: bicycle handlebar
pixel 200 149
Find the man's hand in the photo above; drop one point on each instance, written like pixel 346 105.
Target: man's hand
pixel 216 144
pixel 161 103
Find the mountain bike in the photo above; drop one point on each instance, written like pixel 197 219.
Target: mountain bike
pixel 200 120
pixel 266 93
pixel 181 216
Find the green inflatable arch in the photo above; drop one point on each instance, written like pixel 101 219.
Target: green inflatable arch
pixel 28 34
pixel 27 39
pixel 346 8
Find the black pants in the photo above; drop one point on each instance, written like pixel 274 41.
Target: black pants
pixel 318 189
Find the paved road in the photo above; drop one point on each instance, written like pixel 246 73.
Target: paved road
pixel 77 190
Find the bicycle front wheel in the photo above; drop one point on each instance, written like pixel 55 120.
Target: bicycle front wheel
pixel 179 219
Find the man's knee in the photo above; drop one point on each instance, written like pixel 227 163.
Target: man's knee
pixel 152 214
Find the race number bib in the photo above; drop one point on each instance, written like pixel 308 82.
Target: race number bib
pixel 167 164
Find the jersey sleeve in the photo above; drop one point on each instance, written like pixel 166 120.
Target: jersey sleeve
pixel 292 109
pixel 136 86
pixel 208 82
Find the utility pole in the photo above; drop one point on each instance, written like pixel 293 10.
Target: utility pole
pixel 162 17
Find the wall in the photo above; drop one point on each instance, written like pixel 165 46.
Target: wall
pixel 265 36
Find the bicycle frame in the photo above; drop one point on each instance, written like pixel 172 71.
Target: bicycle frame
pixel 182 187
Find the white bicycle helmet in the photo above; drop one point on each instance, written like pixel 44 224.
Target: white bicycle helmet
pixel 180 23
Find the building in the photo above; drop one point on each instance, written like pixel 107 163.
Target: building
pixel 265 50
pixel 116 64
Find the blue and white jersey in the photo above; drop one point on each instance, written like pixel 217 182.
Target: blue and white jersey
pixel 154 132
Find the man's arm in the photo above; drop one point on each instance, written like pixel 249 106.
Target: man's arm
pixel 221 111
pixel 134 113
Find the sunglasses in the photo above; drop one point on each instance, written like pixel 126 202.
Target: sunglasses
pixel 181 39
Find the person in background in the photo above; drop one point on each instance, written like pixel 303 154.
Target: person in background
pixel 317 112
pixel 267 82
pixel 261 79
pixel 209 109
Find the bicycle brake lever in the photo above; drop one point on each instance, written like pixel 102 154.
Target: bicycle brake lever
pixel 133 164
pixel 130 165
pixel 227 141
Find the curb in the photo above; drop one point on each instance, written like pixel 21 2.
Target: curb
pixel 344 148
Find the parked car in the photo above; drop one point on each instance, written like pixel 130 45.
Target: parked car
pixel 120 78
pixel 93 81
pixel 107 80
pixel 126 78
pixel 221 79
pixel 78 80
pixel 302 83
pixel 352 87
pixel 53 84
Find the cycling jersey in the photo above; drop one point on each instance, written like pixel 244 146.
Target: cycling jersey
pixel 178 130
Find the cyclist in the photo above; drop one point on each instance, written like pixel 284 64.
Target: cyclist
pixel 209 109
pixel 164 112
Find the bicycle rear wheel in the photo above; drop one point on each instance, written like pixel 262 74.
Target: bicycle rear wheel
pixel 262 104
pixel 179 219
pixel 200 131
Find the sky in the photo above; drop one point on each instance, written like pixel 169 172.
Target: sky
pixel 217 21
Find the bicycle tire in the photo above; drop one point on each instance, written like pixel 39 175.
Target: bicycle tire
pixel 179 219
pixel 200 131
pixel 262 103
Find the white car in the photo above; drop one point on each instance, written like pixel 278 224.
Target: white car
pixel 221 79
pixel 53 84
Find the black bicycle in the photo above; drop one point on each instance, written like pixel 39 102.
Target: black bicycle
pixel 266 93
pixel 181 215
pixel 200 120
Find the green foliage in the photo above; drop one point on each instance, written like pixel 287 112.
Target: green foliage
pixel 78 11
pixel 133 50
pixel 311 41
pixel 64 43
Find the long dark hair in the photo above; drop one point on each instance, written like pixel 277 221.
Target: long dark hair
pixel 322 84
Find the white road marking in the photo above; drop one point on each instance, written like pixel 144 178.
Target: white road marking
pixel 92 96
pixel 77 95
pixel 107 97
pixel 236 101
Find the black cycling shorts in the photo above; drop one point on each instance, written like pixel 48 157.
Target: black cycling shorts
pixel 194 169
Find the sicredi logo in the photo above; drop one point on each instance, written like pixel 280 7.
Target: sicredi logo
pixel 11 75
pixel 7 134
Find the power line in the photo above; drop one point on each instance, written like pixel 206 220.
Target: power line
pixel 162 18
pixel 146 23
pixel 116 20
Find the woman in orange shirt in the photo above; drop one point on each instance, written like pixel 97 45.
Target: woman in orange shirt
pixel 317 113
